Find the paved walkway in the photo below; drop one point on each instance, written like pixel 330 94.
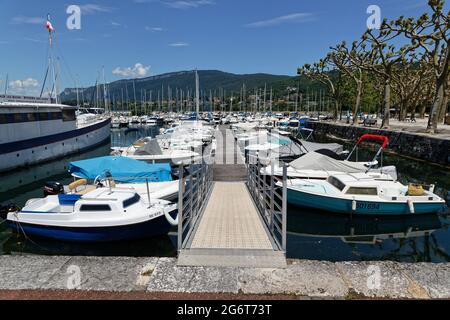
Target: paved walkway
pixel 301 278
pixel 231 221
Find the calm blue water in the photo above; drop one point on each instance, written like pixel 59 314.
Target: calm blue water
pixel 311 234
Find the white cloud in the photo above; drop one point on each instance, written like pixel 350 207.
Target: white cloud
pixel 27 20
pixel 290 18
pixel 115 24
pixel 154 29
pixel 91 8
pixel 137 71
pixel 23 84
pixel 187 4
pixel 179 44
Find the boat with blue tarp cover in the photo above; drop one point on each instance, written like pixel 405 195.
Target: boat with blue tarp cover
pixel 123 169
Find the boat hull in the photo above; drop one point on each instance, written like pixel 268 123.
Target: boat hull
pixel 331 204
pixel 37 150
pixel 150 228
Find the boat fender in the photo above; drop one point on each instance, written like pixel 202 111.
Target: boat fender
pixel 173 222
pixel 353 205
pixel 410 205
pixel 78 183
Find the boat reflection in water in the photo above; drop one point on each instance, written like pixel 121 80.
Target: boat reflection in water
pixel 330 236
pixel 162 246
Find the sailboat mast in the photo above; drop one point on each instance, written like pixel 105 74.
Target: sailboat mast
pixel 197 94
pixel 104 90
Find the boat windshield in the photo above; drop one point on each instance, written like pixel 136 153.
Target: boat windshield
pixel 336 183
pixel 130 201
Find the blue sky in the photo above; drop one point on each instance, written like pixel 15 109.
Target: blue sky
pixel 148 37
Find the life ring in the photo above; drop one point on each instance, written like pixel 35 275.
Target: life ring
pixel 172 221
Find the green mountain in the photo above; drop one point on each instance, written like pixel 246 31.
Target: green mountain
pixel 185 80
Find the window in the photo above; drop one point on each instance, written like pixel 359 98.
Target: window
pixel 68 115
pixel 31 116
pixel 3 118
pixel 43 116
pixel 56 115
pixel 134 199
pixel 18 117
pixel 362 191
pixel 336 183
pixel 95 207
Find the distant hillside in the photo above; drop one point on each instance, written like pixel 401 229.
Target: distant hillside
pixel 209 80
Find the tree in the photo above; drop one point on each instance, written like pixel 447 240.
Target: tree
pixel 344 59
pixel 432 35
pixel 381 60
pixel 323 72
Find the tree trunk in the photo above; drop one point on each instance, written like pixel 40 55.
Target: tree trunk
pixel 387 104
pixel 436 107
pixel 336 110
pixel 422 110
pixel 358 101
pixel 444 107
pixel 403 109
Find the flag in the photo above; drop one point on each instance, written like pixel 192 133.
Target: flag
pixel 49 27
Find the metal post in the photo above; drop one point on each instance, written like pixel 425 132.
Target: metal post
pixel 148 193
pixel 191 199
pixel 284 207
pixel 180 206
pixel 272 199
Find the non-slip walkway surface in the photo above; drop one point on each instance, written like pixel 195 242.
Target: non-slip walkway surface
pixel 230 232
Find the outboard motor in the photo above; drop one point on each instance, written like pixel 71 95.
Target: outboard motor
pixel 53 188
pixel 4 210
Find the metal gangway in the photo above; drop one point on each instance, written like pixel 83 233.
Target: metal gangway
pixel 231 223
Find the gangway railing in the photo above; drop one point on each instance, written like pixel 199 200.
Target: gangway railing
pixel 269 193
pixel 195 188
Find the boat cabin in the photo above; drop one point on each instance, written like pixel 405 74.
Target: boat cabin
pixel 361 184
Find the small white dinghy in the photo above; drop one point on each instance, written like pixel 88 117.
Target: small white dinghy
pixel 104 214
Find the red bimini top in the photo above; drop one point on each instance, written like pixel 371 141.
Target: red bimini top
pixel 383 139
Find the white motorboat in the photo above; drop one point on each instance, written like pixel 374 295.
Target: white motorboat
pixel 359 193
pixel 315 165
pixel 104 214
pixel 150 151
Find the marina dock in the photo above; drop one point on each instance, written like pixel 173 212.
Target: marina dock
pixel 230 231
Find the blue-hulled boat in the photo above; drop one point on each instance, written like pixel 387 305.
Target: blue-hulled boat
pixel 104 214
pixel 359 193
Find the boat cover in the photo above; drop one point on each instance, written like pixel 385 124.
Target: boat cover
pixel 292 148
pixel 316 161
pixel 150 148
pixel 122 169
pixel 314 146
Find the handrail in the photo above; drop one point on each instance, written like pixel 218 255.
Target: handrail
pixel 192 199
pixel 267 195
